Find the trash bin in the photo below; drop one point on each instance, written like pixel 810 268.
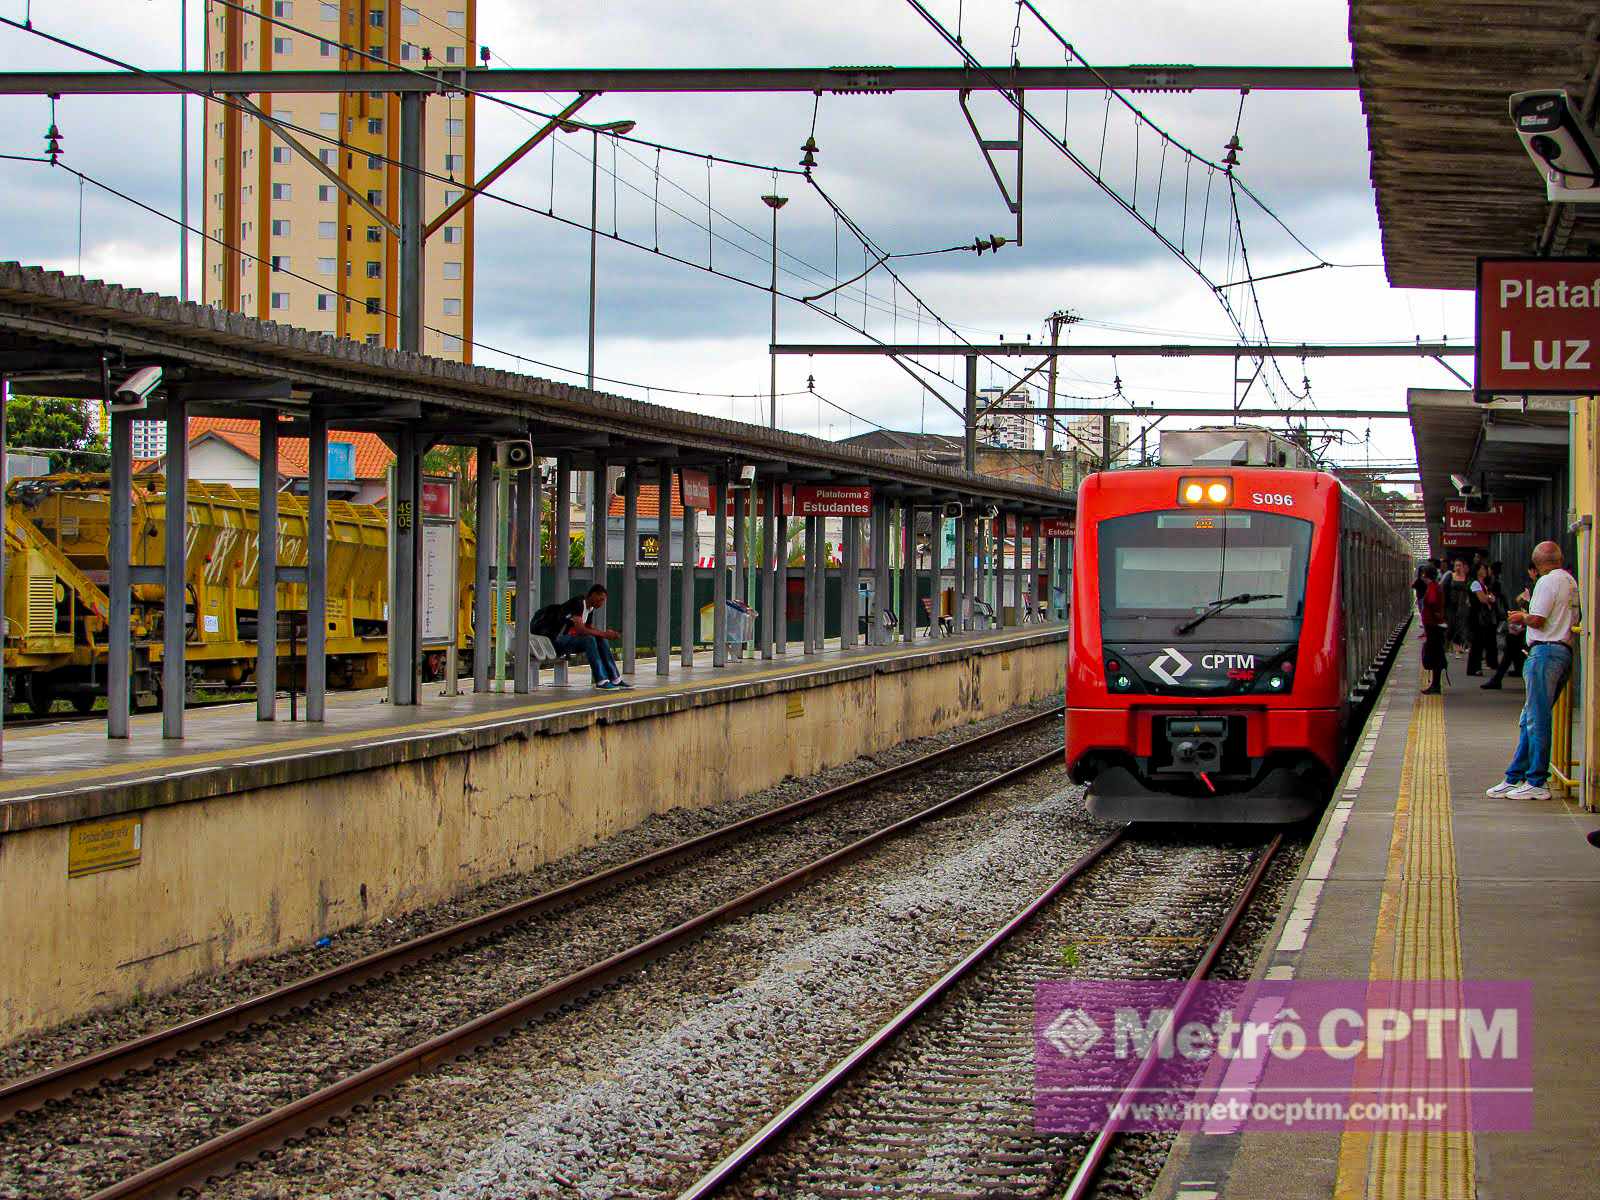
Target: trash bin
pixel 741 623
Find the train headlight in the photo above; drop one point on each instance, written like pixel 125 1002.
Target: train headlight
pixel 1205 493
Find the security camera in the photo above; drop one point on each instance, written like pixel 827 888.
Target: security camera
pixel 1463 485
pixel 989 512
pixel 134 392
pixel 1559 141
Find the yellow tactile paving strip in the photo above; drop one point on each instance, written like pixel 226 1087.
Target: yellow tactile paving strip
pixel 1418 939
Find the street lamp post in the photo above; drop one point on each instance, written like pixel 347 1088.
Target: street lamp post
pixel 774 202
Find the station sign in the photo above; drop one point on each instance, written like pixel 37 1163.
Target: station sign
pixel 694 489
pixel 1055 527
pixel 833 500
pixel 1504 517
pixel 439 499
pixel 1538 326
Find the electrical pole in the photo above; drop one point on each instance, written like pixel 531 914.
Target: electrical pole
pixel 1057 319
pixel 774 202
pixel 183 155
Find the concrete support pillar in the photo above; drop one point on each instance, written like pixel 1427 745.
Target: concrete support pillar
pixel 317 568
pixel 630 568
pixel 719 564
pixel 686 632
pixel 850 583
pixel 267 573
pixel 174 670
pixel 487 533
pixel 119 653
pixel 562 550
pixel 524 519
pixel 664 569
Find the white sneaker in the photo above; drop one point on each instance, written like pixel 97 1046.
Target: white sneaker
pixel 1504 788
pixel 1527 791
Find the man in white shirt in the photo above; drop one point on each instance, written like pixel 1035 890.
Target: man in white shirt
pixel 1552 611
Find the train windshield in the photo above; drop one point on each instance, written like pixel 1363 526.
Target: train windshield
pixel 1161 566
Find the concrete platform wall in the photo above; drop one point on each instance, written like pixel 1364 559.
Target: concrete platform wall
pixel 231 878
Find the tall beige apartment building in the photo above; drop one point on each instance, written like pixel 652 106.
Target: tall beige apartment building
pixel 311 256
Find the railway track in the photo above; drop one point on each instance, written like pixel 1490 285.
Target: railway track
pixel 475 950
pixel 938 1100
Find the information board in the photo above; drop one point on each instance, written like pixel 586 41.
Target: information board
pixel 439 583
pixel 1537 324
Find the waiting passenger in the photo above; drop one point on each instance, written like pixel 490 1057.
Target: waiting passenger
pixel 1551 614
pixel 568 627
pixel 1434 627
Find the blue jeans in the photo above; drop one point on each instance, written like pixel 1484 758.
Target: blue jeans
pixel 1545 673
pixel 597 650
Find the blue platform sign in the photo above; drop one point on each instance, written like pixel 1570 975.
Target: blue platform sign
pixel 341 460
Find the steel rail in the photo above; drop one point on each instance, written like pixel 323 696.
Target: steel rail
pixel 63 1080
pixel 767 1136
pixel 764 1139
pixel 1083 1180
pixel 272 1129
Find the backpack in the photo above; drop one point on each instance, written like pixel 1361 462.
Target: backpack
pixel 549 621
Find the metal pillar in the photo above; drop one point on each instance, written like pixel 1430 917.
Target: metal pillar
pixel 119 657
pixel 908 572
pixel 719 564
pixel 561 551
pixel 688 614
pixel 317 568
pixel 963 553
pixel 1016 568
pixel 770 617
pixel 411 220
pixel 535 547
pixel 850 584
pixel 403 615
pixel 1033 567
pixel 267 574
pixel 526 566
pixel 501 544
pixel 882 601
pixel 741 547
pixel 1050 579
pixel 174 670
pixel 780 567
pixel 664 569
pixel 969 449
pixel 808 579
pixel 935 571
pixel 630 568
pixel 599 517
pixel 487 525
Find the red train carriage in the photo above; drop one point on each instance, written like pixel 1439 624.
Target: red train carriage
pixel 1227 622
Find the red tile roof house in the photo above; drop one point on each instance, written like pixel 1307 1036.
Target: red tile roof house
pixel 228 450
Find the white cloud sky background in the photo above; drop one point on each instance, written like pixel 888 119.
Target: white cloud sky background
pixel 904 166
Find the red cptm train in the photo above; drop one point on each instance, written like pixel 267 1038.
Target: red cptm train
pixel 1228 622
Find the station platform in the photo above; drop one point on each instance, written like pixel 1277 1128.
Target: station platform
pixel 1417 875
pixel 132 866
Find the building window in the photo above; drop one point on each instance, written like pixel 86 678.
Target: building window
pixel 375 197
pixel 325 266
pixel 408 52
pixel 330 12
pixel 452 307
pixel 456 18
pixel 244 158
pixel 450 342
pixel 374 270
pixel 374 233
pixel 372 339
pixel 374 162
pixel 324 301
pixel 455 126
pixel 453 162
pixel 372 306
pixel 282 46
pixel 280 262
pixel 452 270
pixel 327 231
pixel 280 300
pixel 375 18
pixel 280 229
pixel 452 234
pixel 325 49
pixel 325 192
pixel 376 49
pixel 450 197
pixel 409 16
pixel 282 191
pixel 283 8
pixel 374 124
pixel 280 154
pixel 328 121
pixel 455 54
pixel 330 158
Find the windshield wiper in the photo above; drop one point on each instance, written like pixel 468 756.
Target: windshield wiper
pixel 1217 606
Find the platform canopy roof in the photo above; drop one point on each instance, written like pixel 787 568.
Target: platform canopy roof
pixel 1510 447
pixel 56 329
pixel 1451 178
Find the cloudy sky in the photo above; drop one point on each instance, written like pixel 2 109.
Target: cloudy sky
pixel 903 167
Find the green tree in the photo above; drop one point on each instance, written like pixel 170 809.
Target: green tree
pixel 56 423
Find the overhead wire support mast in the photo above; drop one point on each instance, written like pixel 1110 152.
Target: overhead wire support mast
pixel 835 80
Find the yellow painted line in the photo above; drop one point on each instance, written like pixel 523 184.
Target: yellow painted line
pixel 1418 938
pixel 155 767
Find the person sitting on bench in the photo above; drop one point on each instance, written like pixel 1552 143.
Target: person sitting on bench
pixel 569 628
